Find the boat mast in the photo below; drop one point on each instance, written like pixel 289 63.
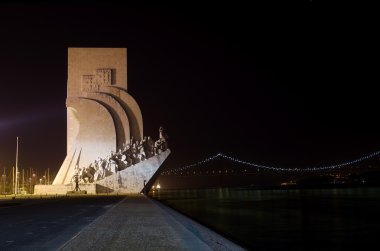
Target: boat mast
pixel 16 178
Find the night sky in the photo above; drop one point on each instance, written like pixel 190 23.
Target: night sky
pixel 277 83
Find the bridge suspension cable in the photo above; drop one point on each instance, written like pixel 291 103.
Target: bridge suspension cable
pixel 272 168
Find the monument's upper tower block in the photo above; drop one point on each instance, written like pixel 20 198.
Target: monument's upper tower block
pixel 91 68
pixel 101 115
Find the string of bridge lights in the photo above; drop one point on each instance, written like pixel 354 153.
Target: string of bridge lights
pixel 272 168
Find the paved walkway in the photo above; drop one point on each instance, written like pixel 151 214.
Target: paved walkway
pixel 140 223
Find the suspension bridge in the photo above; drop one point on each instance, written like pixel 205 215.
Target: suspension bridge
pixel 258 167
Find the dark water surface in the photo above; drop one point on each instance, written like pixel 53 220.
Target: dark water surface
pixel 285 219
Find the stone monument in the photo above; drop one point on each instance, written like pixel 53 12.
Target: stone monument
pixel 101 119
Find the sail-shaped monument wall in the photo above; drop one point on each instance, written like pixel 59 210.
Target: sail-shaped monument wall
pixel 101 117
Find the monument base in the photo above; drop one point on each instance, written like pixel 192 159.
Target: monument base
pixel 128 181
pixel 77 192
pixel 63 189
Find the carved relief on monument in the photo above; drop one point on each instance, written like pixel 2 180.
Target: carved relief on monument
pixel 91 83
pixel 103 76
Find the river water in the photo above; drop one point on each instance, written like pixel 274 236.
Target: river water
pixel 285 219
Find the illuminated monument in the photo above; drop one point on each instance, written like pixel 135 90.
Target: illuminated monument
pixel 102 118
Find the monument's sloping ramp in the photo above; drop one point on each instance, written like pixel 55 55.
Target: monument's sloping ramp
pixel 131 179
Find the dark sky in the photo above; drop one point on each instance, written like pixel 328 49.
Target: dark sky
pixel 275 83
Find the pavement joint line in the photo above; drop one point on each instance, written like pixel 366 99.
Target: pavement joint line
pixel 93 222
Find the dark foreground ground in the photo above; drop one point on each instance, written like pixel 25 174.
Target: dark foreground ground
pixel 46 224
pixel 102 223
pixel 325 218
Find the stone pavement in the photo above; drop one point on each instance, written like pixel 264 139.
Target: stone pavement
pixel 140 223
